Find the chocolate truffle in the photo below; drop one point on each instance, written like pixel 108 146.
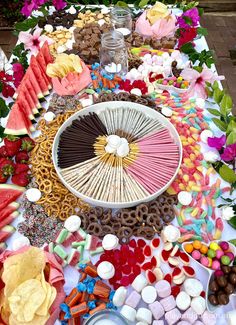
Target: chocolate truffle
pixel 229 288
pixel 213 300
pixel 232 278
pixel 226 269
pixel 223 299
pixel 214 286
pixel 221 280
pixel 233 269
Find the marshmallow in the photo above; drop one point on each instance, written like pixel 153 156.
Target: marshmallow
pixel 193 287
pixel 166 111
pixel 110 149
pixel 163 288
pixel 205 135
pixel 20 242
pixel 122 150
pixel 49 116
pixel 210 319
pixel 149 294
pixel 33 194
pixel 198 304
pixel 183 300
pixel 73 223
pixel 86 102
pixel 139 282
pixel 158 322
pixel 184 197
pixel 61 49
pixel 113 140
pixel 211 156
pixel 110 242
pixel 124 141
pixel 48 28
pixel 157 310
pixel 183 322
pixel 119 296
pixel 133 299
pixel 128 312
pixel 136 91
pixel 190 316
pixel 106 270
pixel 168 303
pixel 144 315
pixel 172 316
pixel 171 233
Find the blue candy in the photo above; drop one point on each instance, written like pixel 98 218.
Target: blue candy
pixel 81 287
pixel 92 304
pixel 66 310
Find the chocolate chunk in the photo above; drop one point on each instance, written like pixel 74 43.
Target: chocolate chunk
pixel 213 300
pixel 214 286
pixel 229 289
pixel 221 280
pixel 223 299
pixel 232 278
pixel 226 269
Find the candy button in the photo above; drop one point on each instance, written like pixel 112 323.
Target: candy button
pixel 33 194
pixel 149 294
pixel 183 300
pixel 166 111
pixel 198 304
pixel 184 197
pixel 205 135
pixel 105 270
pixel 119 296
pixel 171 233
pixel 20 242
pixel 73 223
pixel 144 315
pixel 110 242
pixel 128 312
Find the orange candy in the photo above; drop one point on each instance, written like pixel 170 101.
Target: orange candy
pixel 188 248
pixel 204 249
pixel 197 244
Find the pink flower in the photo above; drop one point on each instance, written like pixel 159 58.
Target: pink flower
pixel 198 79
pixel 18 73
pixel 192 15
pixel 59 4
pixel 229 153
pixel 29 6
pixel 216 142
pixel 35 41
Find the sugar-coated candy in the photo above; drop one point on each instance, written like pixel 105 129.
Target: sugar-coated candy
pixel 72 223
pixel 157 309
pixel 184 197
pixel 133 299
pixel 139 282
pixel 158 322
pixel 33 194
pixel 60 251
pixel 205 134
pixel 204 261
pixel 225 260
pixel 149 294
pixel 196 254
pixel 128 312
pixel 49 116
pixel 158 273
pixel 171 233
pixel 110 242
pixel 183 300
pixel 119 296
pixel 189 316
pixel 20 242
pixel 163 288
pixel 166 111
pixel 215 265
pixel 105 270
pixel 198 304
pixel 168 303
pixel 74 256
pixel 172 316
pixel 193 287
pixel 144 315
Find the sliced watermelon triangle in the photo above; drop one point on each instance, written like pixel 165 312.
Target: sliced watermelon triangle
pixel 43 65
pixel 9 193
pixel 23 102
pixel 8 210
pixel 29 87
pixel 25 113
pixel 46 53
pixel 16 122
pixel 39 74
pixel 25 93
pixel 35 83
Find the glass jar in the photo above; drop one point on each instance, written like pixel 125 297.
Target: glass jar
pixel 121 20
pixel 113 54
pixel 106 317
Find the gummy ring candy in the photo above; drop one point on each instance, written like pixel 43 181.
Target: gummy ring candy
pixel 94 229
pixel 106 217
pixel 107 230
pixel 128 218
pixel 146 232
pixel 92 217
pixel 124 234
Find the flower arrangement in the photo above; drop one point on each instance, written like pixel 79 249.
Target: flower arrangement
pixel 30 5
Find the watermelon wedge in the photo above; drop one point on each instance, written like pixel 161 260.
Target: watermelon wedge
pixel 26 94
pixel 23 102
pixel 39 74
pixel 37 88
pixel 9 193
pixel 46 53
pixel 30 89
pixel 42 63
pixel 6 232
pixel 8 210
pixel 25 114
pixel 9 219
pixel 16 122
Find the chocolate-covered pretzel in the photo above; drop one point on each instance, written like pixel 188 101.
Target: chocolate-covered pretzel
pixel 84 220
pixel 115 223
pixel 94 229
pixel 92 217
pixel 128 218
pixel 124 234
pixel 146 232
pixel 106 217
pixel 106 229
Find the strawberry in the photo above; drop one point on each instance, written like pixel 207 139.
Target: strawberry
pixel 19 168
pixel 22 157
pixel 6 167
pixel 21 179
pixel 27 144
pixel 3 179
pixel 3 152
pixel 12 144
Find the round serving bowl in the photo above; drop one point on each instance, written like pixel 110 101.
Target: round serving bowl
pixel 98 108
pixel 108 317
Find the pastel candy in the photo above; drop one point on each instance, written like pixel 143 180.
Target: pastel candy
pixel 168 303
pixel 139 282
pixel 183 300
pixel 172 316
pixel 198 304
pixel 144 315
pixel 128 312
pixel 190 316
pixel 158 322
pixel 163 288
pixel 133 299
pixel 119 297
pixel 149 294
pixel 208 318
pixel 193 287
pixel 156 309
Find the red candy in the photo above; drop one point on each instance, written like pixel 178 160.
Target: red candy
pixel 203 294
pixel 165 255
pixel 136 270
pixel 141 243
pixel 125 281
pixel 126 269
pixel 155 243
pixel 132 243
pixel 154 261
pixel 150 276
pixel 189 271
pixel 175 291
pixel 147 266
pixel 147 251
pixel 168 278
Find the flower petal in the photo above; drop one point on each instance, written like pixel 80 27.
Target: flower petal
pixel 190 74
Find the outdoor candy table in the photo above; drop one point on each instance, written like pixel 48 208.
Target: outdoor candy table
pixel 129 184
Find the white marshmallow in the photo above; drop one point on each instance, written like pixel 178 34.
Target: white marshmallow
pixel 184 197
pixel 48 28
pixel 113 140
pixel 86 102
pixel 200 102
pixel 61 49
pixel 183 300
pixel 149 294
pixel 122 150
pixel 139 282
pixel 119 296
pixel 198 304
pixel 231 317
pixel 171 233
pixel 128 312
pixel 110 242
pixel 20 242
pixel 124 141
pixel 166 111
pixel 49 116
pixel 136 91
pixel 71 10
pixel 106 270
pixel 110 149
pixel 72 223
pixel 33 194
pixel 211 156
pixel 144 315
pixel 205 135
pixel 193 287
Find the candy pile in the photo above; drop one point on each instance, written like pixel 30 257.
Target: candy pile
pixel 88 17
pixel 137 40
pixel 213 256
pixel 88 297
pixel 61 104
pixel 58 18
pixel 173 81
pixel 62 40
pixel 102 81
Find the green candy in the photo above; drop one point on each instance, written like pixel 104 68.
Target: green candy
pixel 211 253
pixel 225 260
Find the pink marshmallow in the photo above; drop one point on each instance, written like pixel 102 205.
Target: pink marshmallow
pixel 163 288
pixel 168 303
pixel 156 309
pixel 208 318
pixel 172 316
pixel 133 299
pixel 190 316
pixel 158 322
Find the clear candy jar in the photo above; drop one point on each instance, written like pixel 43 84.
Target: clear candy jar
pixel 113 54
pixel 121 20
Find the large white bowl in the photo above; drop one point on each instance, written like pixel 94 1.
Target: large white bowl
pixel 112 105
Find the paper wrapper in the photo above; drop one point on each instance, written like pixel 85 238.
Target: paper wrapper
pixel 55 278
pixel 164 27
pixel 73 82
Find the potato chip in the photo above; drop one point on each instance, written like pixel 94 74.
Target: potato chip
pixel 50 296
pixel 26 299
pixel 37 320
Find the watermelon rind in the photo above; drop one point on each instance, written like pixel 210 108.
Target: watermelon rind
pixel 12 187
pixel 14 119
pixel 39 75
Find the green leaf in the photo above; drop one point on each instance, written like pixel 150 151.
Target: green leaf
pixel 202 31
pixel 200 11
pixel 1 132
pixel 227 199
pixel 231 126
pixel 232 223
pixel 220 124
pixel 188 20
pixel 214 111
pixel 4 110
pixel 209 92
pixel 227 174
pixel 26 24
pixel 226 104
pixel 1 86
pixel 121 4
pixel 215 85
pixel 143 3
pixel 231 138
pixel 218 95
pixel 187 48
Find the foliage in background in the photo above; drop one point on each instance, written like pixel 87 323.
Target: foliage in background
pixel 11 11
